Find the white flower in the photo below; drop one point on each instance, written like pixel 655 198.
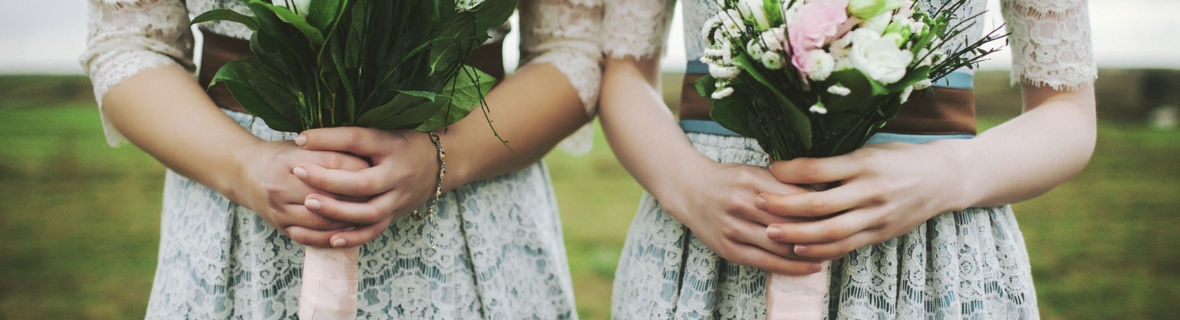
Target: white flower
pixel 877 23
pixel 818 108
pixel 464 5
pixel 923 84
pixel 300 7
pixel 839 90
pixel 755 48
pixel 822 65
pixel 724 72
pixel 713 53
pixel 770 38
pixel 731 21
pixel 722 93
pixel 772 60
pixel 917 26
pixel 707 32
pixel 753 10
pixel 880 58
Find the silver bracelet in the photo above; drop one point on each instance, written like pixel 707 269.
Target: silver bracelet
pixel 432 204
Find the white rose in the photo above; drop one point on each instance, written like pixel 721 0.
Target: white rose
pixel 300 7
pixel 771 37
pixel 880 59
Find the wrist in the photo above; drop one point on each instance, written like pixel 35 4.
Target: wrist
pixel 457 170
pixel 229 183
pixel 962 186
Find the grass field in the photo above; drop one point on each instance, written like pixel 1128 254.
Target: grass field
pixel 79 224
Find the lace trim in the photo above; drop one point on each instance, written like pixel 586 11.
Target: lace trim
pixel 129 36
pixel 1050 43
pixel 636 28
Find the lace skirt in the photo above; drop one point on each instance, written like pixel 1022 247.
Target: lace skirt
pixel 493 250
pixel 969 264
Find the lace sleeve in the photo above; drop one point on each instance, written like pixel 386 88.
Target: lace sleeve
pixel 563 33
pixel 1050 41
pixel 636 28
pixel 129 36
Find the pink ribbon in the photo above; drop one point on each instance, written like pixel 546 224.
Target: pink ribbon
pixel 796 297
pixel 329 283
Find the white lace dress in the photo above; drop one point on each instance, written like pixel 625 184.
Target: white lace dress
pixel 969 264
pixel 494 250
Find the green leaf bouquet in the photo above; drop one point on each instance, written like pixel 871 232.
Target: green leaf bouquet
pixel 370 63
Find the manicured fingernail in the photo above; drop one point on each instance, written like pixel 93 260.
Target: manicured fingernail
pixel 774 233
pixel 300 140
pixel 760 203
pixel 349 228
pixel 300 172
pixel 815 267
pixel 800 249
pixel 339 242
pixel 312 204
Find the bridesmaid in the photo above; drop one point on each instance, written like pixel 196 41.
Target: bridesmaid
pixel 235 207
pixel 920 227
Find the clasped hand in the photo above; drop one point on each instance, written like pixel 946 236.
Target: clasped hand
pixel 402 177
pixel 884 191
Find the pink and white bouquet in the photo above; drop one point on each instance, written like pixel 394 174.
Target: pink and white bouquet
pixel 816 78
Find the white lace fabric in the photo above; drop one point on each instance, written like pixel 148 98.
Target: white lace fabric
pixel 636 28
pixel 1050 42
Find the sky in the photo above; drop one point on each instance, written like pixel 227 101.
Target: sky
pixel 46 36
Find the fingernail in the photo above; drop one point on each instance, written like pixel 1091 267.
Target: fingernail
pixel 349 228
pixel 760 203
pixel 312 204
pixel 800 249
pixel 774 233
pixel 300 172
pixel 300 140
pixel 339 242
pixel 815 267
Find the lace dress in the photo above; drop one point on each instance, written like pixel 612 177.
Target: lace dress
pixel 494 249
pixel 969 264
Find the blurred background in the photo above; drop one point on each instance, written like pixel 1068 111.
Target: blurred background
pixel 79 221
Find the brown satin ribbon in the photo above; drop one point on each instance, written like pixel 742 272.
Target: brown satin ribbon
pixel 219 50
pixel 943 111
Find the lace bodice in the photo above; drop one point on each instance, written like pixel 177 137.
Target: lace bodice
pixel 129 36
pixel 1049 39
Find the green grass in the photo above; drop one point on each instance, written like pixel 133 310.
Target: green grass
pixel 79 227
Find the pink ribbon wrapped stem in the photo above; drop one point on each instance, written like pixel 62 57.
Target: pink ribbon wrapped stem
pixel 796 297
pixel 329 283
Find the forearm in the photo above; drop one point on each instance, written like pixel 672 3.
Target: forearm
pixel 1031 154
pixel 168 115
pixel 534 109
pixel 641 130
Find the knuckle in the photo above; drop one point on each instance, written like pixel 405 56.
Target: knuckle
pixel 835 232
pixel 734 203
pixel 352 138
pixel 819 205
pixel 808 169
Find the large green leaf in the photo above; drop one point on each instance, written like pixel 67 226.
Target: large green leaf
pixel 226 15
pixel 314 35
pixel 403 112
pixel 263 97
pixel 466 92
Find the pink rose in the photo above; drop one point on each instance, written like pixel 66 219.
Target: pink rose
pixel 815 22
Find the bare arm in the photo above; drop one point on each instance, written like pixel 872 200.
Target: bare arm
pixel 165 113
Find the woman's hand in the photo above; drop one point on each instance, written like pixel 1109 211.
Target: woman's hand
pixel 716 203
pixel 887 190
pixel 268 186
pixel 403 176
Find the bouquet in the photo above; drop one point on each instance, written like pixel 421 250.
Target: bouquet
pixel 380 64
pixel 817 78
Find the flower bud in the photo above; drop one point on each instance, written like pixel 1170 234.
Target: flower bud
pixel 300 7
